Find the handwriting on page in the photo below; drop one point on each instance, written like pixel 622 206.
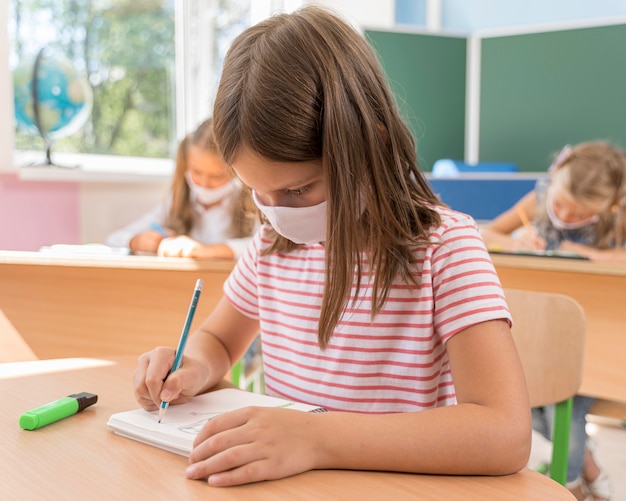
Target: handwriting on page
pixel 194 428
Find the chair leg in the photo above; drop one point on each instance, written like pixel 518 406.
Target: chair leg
pixel 236 372
pixel 560 441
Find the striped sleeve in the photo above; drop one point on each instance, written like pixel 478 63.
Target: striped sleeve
pixel 241 287
pixel 466 288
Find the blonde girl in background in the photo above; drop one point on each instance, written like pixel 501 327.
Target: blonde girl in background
pixel 579 209
pixel 208 214
pixel 373 300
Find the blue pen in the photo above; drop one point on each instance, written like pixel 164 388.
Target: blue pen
pixel 183 338
pixel 158 228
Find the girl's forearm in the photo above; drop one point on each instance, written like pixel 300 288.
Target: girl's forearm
pixel 466 439
pixel 204 347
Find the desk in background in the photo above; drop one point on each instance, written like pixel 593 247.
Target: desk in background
pixel 106 305
pixel 13 348
pixel 600 288
pixel 81 458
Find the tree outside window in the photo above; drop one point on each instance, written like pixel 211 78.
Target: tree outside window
pixel 127 51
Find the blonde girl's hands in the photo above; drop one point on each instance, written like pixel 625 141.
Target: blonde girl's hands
pixel 179 246
pixel 528 240
pixel 154 366
pixel 147 241
pixel 254 444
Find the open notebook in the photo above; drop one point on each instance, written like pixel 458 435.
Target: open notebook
pixel 180 425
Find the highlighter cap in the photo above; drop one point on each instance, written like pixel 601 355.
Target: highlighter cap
pixel 84 399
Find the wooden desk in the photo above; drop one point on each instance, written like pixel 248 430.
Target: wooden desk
pixel 79 306
pixel 13 348
pixel 81 458
pixel 600 288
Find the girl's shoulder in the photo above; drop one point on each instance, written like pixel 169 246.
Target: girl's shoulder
pixel 450 217
pixel 454 228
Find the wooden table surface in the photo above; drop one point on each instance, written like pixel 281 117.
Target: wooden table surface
pixel 81 458
pixel 13 348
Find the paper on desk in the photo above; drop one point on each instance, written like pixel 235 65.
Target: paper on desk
pixel 86 249
pixel 179 427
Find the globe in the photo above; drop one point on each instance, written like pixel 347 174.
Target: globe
pixel 51 98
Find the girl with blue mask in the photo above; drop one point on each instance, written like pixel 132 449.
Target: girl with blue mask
pixel 207 215
pixel 579 207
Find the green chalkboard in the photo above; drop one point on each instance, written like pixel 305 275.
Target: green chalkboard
pixel 540 91
pixel 427 76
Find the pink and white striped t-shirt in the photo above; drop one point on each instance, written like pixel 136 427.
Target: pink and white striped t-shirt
pixel 395 363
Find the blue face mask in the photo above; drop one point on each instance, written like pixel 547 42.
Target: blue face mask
pixel 301 225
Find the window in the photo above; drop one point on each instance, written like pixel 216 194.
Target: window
pixel 152 66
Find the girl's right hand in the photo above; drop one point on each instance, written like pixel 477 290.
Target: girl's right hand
pixel 153 368
pixel 528 240
pixel 148 241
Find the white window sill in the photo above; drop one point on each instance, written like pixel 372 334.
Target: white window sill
pixel 92 168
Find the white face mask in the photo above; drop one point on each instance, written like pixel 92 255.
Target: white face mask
pixel 208 196
pixel 301 225
pixel 559 224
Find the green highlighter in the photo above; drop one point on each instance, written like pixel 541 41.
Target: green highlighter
pixel 57 410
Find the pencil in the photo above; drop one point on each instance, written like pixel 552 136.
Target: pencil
pixel 183 339
pixel 525 221
pixel 158 228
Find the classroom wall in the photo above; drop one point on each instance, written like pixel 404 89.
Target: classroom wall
pixel 541 90
pixel 35 213
pixel 468 16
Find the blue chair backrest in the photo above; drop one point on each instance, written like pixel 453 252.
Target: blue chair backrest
pixel 446 167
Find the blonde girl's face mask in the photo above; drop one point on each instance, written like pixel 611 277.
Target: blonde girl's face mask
pixel 301 225
pixel 565 214
pixel 208 196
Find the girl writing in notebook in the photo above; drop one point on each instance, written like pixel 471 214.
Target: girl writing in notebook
pixel 207 214
pixel 373 300
pixel 579 209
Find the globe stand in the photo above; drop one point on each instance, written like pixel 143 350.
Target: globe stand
pixel 38 119
pixel 48 162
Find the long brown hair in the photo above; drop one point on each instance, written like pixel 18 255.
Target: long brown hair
pixel 180 217
pixel 305 86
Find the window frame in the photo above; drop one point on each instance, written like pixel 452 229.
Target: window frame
pixel 188 111
pixel 193 76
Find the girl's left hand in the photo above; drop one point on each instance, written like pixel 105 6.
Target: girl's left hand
pixel 583 250
pixel 254 444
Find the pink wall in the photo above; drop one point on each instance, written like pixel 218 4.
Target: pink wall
pixel 36 213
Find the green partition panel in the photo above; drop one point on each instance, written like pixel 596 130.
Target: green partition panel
pixel 540 91
pixel 427 75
